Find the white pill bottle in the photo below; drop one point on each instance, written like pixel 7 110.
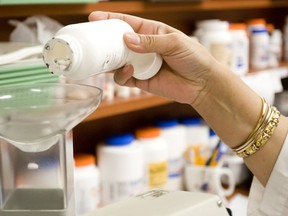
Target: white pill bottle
pixel 217 39
pixel 285 30
pixel 121 164
pixel 87 183
pixel 80 50
pixel 175 136
pixel 156 157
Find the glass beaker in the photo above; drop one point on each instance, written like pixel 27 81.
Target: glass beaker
pixel 36 147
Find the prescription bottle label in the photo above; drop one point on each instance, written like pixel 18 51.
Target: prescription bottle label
pixel 158 174
pixel 115 190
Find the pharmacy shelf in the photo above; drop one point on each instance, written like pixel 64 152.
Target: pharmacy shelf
pixel 144 101
pixel 136 7
pixel 120 106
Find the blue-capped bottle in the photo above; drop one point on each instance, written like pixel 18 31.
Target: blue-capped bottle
pixel 175 137
pixel 121 163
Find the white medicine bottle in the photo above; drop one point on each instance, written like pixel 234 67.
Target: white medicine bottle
pixel 87 183
pixel 217 39
pixel 285 31
pixel 121 163
pixel 156 157
pixel 260 45
pixel 80 50
pixel 175 137
pixel 240 48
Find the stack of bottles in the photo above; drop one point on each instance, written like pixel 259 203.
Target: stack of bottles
pixel 151 157
pixel 254 44
pixel 111 90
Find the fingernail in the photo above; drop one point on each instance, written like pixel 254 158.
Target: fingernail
pixel 132 38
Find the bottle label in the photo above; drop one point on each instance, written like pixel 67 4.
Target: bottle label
pixel 87 194
pixel 113 191
pixel 158 174
pixel 175 168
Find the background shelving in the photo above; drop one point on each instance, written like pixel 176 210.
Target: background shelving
pixel 123 115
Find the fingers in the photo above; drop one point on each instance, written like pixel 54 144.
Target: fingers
pixel 135 22
pixel 124 76
pixel 152 43
pixel 140 25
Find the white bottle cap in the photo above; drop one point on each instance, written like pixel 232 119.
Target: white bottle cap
pixel 146 65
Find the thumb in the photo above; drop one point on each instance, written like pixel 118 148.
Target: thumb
pixel 146 43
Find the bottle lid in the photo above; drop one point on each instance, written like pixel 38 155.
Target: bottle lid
pixel 191 121
pixel 84 160
pixel 270 27
pixel 212 132
pixel 201 23
pixel 146 65
pixel 237 26
pixel 256 31
pixel 259 21
pixel 149 132
pixel 216 26
pixel 166 123
pixel 120 140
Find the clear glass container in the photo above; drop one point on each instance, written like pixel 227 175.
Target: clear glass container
pixel 36 146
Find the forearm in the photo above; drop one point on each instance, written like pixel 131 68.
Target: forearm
pixel 232 109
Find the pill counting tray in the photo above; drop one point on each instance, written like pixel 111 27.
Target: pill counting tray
pixel 26 71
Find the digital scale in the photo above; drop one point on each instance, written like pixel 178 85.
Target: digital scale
pixel 166 203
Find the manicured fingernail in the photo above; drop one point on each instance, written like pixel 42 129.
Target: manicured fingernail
pixel 132 38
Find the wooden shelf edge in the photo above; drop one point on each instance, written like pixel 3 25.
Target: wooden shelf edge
pixel 121 106
pixel 134 7
pixel 144 101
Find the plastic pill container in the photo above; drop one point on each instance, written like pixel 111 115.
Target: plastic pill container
pixel 175 137
pixel 80 50
pixel 215 36
pixel 121 163
pixel 240 48
pixel 87 183
pixel 260 44
pixel 156 157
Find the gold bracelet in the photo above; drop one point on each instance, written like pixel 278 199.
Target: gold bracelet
pixel 243 151
pixel 265 109
pixel 264 113
pixel 259 137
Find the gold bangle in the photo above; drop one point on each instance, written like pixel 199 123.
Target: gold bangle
pixel 247 148
pixel 264 114
pixel 260 136
pixel 265 109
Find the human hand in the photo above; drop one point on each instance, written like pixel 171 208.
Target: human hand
pixel 187 65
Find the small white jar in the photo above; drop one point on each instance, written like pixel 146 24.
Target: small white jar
pixel 240 48
pixel 78 51
pixel 87 183
pixel 285 31
pixel 217 39
pixel 198 133
pixel 156 157
pixel 121 163
pixel 176 140
pixel 260 45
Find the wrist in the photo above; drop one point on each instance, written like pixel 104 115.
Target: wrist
pixel 229 106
